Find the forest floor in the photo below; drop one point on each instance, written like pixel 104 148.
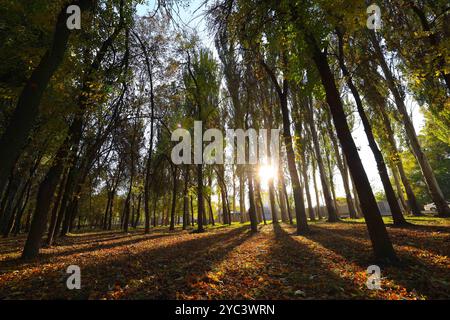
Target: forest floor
pixel 228 262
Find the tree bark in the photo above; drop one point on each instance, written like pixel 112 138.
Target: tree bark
pixel 23 119
pixel 412 201
pixel 332 216
pixel 381 165
pixel 54 214
pixel 252 209
pixel 381 243
pixel 300 213
pixel 430 179
pixel 342 170
pixel 174 198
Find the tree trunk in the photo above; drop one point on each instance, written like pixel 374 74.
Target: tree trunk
pixel 300 213
pixel 155 202
pixel 185 198
pixel 381 165
pixel 200 205
pixel 54 215
pixel 433 186
pixel 412 202
pixel 17 224
pixel 282 200
pixel 342 170
pixel 304 165
pixel 39 222
pixel 192 211
pixel 316 189
pixel 332 216
pixel 242 208
pixel 7 210
pixel 174 198
pixel 381 243
pixel 258 198
pixel 252 209
pixel 399 187
pixel 23 119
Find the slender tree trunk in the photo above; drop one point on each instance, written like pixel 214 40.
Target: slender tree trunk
pixel 300 213
pixel 200 205
pixel 316 189
pixel 155 202
pixel 211 213
pixel 430 179
pixel 185 198
pixel 282 201
pixel 234 188
pixel 242 208
pixel 147 181
pixel 330 173
pixel 412 202
pixel 304 171
pixel 17 224
pixel 355 193
pixel 258 199
pixel 252 209
pixel 105 216
pixel 54 215
pixel 192 211
pixel 174 198
pixel 7 210
pixel 138 211
pixel 381 165
pixel 381 243
pixel 332 216
pixel 399 187
pixel 342 170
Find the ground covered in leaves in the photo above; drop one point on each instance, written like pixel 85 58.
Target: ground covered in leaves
pixel 229 262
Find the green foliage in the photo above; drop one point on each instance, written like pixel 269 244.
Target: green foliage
pixel 438 153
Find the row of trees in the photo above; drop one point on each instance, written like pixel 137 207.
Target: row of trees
pixel 87 115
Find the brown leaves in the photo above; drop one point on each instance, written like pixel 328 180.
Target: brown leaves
pixel 230 263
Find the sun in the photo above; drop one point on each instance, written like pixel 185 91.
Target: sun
pixel 267 172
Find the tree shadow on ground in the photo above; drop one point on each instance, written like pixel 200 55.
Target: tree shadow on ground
pixel 417 237
pixel 144 272
pixel 15 243
pixel 421 227
pixel 305 270
pixel 415 273
pixel 47 255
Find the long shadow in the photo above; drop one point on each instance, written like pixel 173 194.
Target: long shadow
pixel 156 268
pixel 410 226
pixel 15 243
pixel 200 256
pixel 400 236
pixel 44 257
pixel 304 270
pixel 80 241
pixel 421 227
pixel 412 273
pixel 9 245
pixel 114 236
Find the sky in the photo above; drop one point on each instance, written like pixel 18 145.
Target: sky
pixel 193 18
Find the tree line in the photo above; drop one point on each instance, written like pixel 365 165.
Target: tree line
pixel 87 115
